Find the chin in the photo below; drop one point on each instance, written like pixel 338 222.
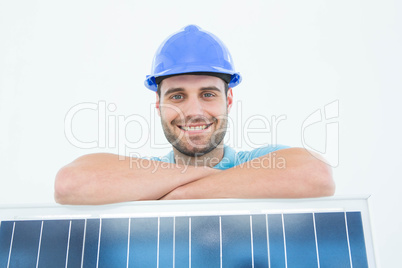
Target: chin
pixel 195 151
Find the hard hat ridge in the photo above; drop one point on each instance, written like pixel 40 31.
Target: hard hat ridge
pixel 191 50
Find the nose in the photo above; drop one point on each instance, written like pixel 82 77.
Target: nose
pixel 193 107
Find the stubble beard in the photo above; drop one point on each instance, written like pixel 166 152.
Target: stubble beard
pixel 196 149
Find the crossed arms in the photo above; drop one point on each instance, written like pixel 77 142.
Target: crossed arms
pixel 104 178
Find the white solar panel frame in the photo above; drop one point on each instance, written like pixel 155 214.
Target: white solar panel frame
pixel 204 207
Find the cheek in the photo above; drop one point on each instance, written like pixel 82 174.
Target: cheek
pixel 217 110
pixel 169 114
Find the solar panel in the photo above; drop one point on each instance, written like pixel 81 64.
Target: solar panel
pixel 324 232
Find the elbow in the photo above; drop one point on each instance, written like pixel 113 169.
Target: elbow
pixel 315 173
pixel 65 186
pixel 323 181
pixel 318 175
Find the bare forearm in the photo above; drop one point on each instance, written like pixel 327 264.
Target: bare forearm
pixel 103 178
pixel 289 173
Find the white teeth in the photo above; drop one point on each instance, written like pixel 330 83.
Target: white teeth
pixel 194 128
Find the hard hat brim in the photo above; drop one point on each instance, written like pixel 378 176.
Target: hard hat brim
pixel 150 81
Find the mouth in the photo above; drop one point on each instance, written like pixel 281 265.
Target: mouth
pixel 195 127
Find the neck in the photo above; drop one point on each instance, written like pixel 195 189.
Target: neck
pixel 209 159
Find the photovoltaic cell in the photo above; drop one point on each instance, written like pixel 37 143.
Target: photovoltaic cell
pixel 25 244
pixel 113 243
pixel 182 242
pixel 330 239
pixel 53 246
pixel 143 242
pixel 300 240
pixel 205 241
pixel 260 242
pixel 6 233
pixel 236 241
pixel 165 242
pixel 276 241
pixel 356 239
pixel 76 243
pixel 91 237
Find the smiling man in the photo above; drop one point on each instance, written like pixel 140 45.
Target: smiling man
pixel 193 76
pixel 193 111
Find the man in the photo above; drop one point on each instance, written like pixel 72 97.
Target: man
pixel 193 76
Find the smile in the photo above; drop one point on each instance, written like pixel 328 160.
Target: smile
pixel 195 128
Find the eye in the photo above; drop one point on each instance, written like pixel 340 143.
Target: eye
pixel 208 95
pixel 177 97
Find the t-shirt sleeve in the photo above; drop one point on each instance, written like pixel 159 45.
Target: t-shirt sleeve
pixel 245 156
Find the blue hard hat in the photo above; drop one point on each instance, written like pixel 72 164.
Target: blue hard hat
pixel 192 50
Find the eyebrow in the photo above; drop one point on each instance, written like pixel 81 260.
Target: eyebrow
pixel 179 89
pixel 173 90
pixel 213 88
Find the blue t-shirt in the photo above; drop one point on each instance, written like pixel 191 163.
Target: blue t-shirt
pixel 231 158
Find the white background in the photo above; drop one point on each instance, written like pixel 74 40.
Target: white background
pixel 295 57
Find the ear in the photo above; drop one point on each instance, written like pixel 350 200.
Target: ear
pixel 229 99
pixel 157 104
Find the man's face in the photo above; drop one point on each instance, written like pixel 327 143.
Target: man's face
pixel 193 110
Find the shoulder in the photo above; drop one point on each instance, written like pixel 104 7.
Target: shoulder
pixel 244 156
